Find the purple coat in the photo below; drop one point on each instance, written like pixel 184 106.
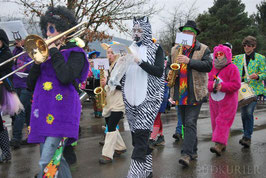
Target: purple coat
pixel 21 60
pixel 56 107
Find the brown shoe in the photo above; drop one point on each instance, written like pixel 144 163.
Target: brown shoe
pixel 218 149
pixel 185 160
pixel 105 160
pixel 245 142
pixel 117 153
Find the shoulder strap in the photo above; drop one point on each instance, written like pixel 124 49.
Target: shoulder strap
pixel 245 67
pixel 223 68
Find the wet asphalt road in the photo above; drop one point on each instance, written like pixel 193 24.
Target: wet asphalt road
pixel 236 162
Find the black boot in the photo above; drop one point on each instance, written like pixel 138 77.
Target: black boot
pixel 5 147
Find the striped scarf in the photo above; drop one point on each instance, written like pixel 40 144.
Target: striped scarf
pixel 183 87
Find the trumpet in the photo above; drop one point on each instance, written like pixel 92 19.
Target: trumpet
pixel 176 51
pixel 37 48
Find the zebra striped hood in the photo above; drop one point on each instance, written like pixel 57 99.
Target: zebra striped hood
pixel 146 27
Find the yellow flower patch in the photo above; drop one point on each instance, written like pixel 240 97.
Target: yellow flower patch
pixel 49 119
pixel 48 86
pixel 58 97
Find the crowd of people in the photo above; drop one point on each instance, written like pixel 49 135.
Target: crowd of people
pixel 47 99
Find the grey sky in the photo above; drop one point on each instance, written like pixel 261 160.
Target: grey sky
pixel 201 5
pixel 12 9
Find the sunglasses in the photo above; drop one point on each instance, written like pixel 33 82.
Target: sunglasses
pixel 51 29
pixel 246 45
pixel 219 54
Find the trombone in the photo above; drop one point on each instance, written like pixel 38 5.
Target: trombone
pixel 37 48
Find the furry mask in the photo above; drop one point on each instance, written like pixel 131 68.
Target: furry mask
pixel 141 31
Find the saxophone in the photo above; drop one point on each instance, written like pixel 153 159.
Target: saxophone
pixel 176 51
pixel 100 92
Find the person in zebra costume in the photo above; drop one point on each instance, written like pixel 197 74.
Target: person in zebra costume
pixel 143 88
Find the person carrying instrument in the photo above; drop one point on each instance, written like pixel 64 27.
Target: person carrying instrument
pixel 56 107
pixel 95 82
pixel 113 111
pixel 9 101
pixel 190 89
pixel 143 89
pixel 20 85
pixel 223 85
pixel 251 66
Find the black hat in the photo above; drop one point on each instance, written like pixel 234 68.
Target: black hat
pixel 192 24
pixel 228 45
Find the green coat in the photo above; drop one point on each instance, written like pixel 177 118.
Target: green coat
pixel 255 66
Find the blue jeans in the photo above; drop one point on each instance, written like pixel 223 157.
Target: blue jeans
pixel 179 122
pixel 48 149
pixel 248 118
pixel 18 124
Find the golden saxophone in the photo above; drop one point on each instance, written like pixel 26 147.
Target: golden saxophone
pixel 176 51
pixel 100 93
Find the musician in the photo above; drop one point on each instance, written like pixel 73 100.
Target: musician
pixel 20 85
pixel 95 81
pixel 190 89
pixel 254 74
pixel 143 89
pixel 223 85
pixel 113 111
pixel 56 106
pixel 5 54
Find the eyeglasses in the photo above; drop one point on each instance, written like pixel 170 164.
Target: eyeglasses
pixel 219 54
pixel 51 29
pixel 246 45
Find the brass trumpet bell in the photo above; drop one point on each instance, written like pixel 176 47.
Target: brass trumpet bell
pixel 36 48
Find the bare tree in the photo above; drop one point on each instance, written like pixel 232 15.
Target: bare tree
pixel 98 13
pixel 178 17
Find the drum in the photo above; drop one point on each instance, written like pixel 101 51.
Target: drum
pixel 245 95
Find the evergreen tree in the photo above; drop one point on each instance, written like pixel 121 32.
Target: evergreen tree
pixel 260 19
pixel 225 21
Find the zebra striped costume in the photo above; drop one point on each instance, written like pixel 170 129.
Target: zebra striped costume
pixel 143 93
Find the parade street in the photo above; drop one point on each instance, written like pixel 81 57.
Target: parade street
pixel 235 162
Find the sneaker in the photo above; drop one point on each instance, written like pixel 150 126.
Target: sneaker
pixel 218 149
pixel 160 141
pixel 185 160
pixel 152 143
pixel 245 142
pixel 4 159
pixel 177 137
pixel 14 143
pixel 105 160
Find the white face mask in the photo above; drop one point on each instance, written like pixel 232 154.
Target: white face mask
pixel 137 33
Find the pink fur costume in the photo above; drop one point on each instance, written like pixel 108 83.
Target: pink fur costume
pixel 223 104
